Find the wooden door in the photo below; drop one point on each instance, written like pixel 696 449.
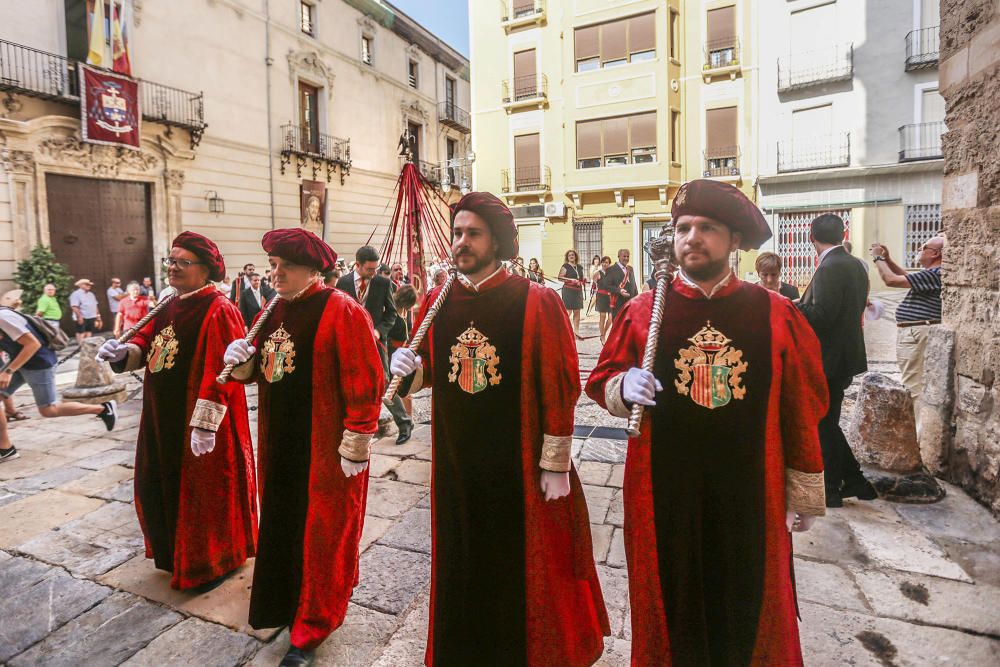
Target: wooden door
pixel 100 229
pixel 309 117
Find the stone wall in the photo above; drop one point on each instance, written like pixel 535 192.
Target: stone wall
pixel 966 386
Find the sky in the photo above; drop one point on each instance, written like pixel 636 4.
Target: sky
pixel 448 19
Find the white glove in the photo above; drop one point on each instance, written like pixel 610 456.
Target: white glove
pixel 798 523
pixel 404 362
pixel 555 485
pixel 640 387
pixel 238 352
pixel 112 350
pixel 352 468
pixel 202 441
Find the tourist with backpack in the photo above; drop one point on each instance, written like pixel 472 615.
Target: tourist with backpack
pixel 30 343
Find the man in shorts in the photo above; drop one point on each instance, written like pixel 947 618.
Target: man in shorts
pixel 34 363
pixel 85 311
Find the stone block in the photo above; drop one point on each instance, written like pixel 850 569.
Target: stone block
pixel 18 574
pixel 616 554
pixel 614 586
pixel 43 481
pixel 108 634
pixel 973 397
pixel 828 584
pixel 382 464
pixel 960 190
pixel 391 579
pixel 600 535
pixel 957 517
pixel 882 430
pixel 81 557
pixel 408 644
pixel 984 49
pixel 594 472
pixel 195 642
pixel 954 70
pixel 939 366
pixel 31 462
pixel 7 497
pixel 35 611
pixel 358 641
pixel 617 478
pixel 617 653
pixel 374 528
pixel 413 471
pixel 410 533
pixel 598 501
pixel 22 520
pixel 111 457
pixel 390 500
pixel 616 511
pixel 603 451
pixel 123 492
pixel 95 481
pixel 831 540
pixel 95 382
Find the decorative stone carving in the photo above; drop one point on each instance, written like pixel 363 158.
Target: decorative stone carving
pixel 413 51
pixel 95 383
pixel 367 24
pixel 414 109
pixel 309 62
pixel 108 161
pixel 11 103
pixel 175 179
pixel 17 162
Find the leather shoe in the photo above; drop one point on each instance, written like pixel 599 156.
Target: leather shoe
pixel 834 499
pixel 859 488
pixel 405 431
pixel 296 657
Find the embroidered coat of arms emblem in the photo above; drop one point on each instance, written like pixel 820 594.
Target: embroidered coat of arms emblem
pixel 472 360
pixel 277 355
pixel 163 350
pixel 712 368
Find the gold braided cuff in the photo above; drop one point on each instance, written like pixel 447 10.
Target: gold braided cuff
pixel 356 446
pixel 613 397
pixel 805 492
pixel 556 452
pixel 207 415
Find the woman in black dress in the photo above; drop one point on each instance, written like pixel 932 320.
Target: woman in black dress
pixel 573 279
pixel 602 303
pixel 535 273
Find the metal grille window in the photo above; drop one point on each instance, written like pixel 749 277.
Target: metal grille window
pixel 921 223
pixel 366 50
pixel 413 72
pixel 793 246
pixel 588 238
pixel 308 23
pixel 650 230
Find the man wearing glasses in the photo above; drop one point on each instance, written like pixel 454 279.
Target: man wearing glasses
pixel 194 474
pixel 920 308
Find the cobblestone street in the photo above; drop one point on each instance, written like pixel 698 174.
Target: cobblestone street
pixel 878 583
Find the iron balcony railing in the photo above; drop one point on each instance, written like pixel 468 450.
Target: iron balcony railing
pixel 514 10
pixel 528 87
pixel 815 153
pixel 921 141
pixel 922 48
pixel 49 76
pixel 455 117
pixel 724 52
pixel 430 170
pixel 801 70
pixel 723 161
pixel 526 179
pixel 456 175
pixel 303 140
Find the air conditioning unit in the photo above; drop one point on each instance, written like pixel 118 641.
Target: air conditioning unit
pixel 555 209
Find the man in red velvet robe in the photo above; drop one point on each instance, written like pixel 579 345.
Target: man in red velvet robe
pixel 513 579
pixel 195 490
pixel 728 460
pixel 319 378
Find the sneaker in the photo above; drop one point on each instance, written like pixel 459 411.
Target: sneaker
pixel 110 414
pixel 9 454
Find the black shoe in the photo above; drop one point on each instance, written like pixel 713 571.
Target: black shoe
pixel 110 414
pixel 834 499
pixel 405 431
pixel 201 589
pixel 9 454
pixel 296 657
pixel 859 488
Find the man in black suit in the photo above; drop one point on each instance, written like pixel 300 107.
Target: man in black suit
pixel 254 298
pixel 619 281
pixel 241 283
pixel 833 304
pixel 374 292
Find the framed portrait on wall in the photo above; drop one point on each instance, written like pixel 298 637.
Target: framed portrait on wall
pixel 312 201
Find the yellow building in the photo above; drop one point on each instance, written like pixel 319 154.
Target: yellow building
pixel 577 119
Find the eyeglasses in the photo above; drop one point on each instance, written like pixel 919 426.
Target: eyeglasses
pixel 182 263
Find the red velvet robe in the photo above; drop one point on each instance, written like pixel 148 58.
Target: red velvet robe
pixel 513 578
pixel 198 514
pixel 708 481
pixel 311 513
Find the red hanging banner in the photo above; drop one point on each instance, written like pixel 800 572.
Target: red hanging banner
pixel 109 108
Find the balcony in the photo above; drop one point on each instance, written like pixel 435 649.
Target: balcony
pixel 722 57
pixel 521 13
pixel 311 149
pixel 48 76
pixel 921 141
pixel 722 163
pixel 824 152
pixel 525 91
pixel 453 116
pixel 430 171
pixel 813 68
pixel 526 181
pixel 922 48
pixel 456 173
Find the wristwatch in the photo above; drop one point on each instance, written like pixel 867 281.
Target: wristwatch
pixel 878 258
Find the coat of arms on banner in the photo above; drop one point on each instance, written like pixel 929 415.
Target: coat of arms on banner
pixel 163 350
pixel 472 359
pixel 712 368
pixel 278 355
pixel 109 108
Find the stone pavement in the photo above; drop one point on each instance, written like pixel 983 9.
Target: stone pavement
pixel 879 584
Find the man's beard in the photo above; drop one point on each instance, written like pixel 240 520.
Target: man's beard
pixel 481 263
pixel 708 271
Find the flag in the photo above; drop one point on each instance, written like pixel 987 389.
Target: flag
pixel 121 62
pixel 98 40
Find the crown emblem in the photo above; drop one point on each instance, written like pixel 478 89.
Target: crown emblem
pixel 278 355
pixel 474 362
pixel 280 335
pixel 710 371
pixel 681 196
pixel 710 339
pixel 472 337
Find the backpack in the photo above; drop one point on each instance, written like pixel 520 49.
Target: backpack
pixel 53 338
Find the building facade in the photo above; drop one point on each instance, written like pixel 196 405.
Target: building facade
pixel 850 121
pixel 288 92
pixel 576 117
